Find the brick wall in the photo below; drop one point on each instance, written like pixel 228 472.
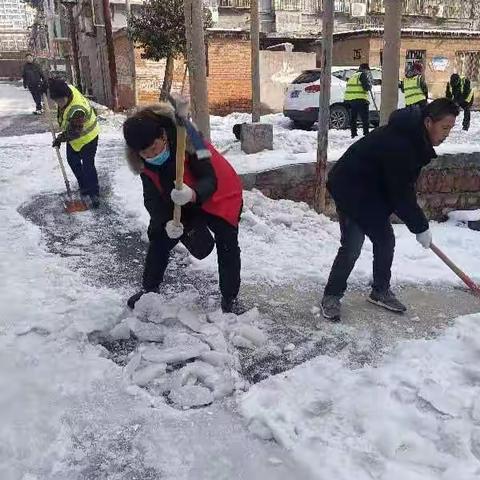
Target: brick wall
pixel 451 182
pixel 351 51
pixel 229 75
pixel 229 87
pixel 124 60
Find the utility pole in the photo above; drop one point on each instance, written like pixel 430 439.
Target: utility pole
pixel 69 4
pixel 107 17
pixel 391 58
pixel 197 67
pixel 324 106
pixel 255 42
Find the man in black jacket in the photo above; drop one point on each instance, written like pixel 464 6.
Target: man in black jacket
pixel 375 178
pixel 460 91
pixel 34 80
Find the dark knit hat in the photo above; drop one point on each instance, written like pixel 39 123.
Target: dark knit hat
pixel 58 88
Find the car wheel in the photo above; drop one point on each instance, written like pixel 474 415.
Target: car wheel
pixel 339 117
pixel 302 125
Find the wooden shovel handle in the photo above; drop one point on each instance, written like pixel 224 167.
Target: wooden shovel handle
pixel 180 168
pixel 460 273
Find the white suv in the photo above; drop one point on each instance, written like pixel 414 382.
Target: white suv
pixel 302 98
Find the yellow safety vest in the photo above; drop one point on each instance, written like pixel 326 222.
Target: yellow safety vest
pixel 462 86
pixel 90 127
pixel 413 91
pixel 355 90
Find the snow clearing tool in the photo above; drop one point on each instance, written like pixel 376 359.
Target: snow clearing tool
pixel 374 103
pixel 460 273
pixel 71 204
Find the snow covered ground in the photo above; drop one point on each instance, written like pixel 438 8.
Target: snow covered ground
pixel 69 413
pixel 298 146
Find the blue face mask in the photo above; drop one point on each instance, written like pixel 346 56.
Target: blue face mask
pixel 160 159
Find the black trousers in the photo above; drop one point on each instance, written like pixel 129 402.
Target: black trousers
pixel 228 254
pixel 466 115
pixel 82 164
pixel 351 241
pixel 359 108
pixel 37 97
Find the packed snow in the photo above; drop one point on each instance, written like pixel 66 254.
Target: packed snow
pixel 414 417
pixel 68 412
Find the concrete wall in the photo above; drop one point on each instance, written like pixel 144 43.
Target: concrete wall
pixel 277 71
pixel 125 63
pixel 351 51
pixel 451 182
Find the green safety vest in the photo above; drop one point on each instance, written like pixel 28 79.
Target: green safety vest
pixel 413 91
pixel 355 90
pixel 462 86
pixel 90 127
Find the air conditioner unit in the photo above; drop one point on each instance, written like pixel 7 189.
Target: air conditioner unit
pixel 359 9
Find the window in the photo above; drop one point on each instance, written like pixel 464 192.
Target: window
pixel 467 64
pixel 415 56
pixel 308 76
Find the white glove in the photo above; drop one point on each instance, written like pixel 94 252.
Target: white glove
pixel 183 196
pixel 173 230
pixel 425 238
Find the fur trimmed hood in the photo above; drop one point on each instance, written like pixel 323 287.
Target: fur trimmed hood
pixel 135 161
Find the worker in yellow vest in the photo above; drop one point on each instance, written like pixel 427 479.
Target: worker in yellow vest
pixel 414 86
pixel 357 98
pixel 78 122
pixel 460 91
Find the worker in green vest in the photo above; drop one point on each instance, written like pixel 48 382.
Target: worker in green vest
pixel 460 91
pixel 414 86
pixel 78 122
pixel 357 98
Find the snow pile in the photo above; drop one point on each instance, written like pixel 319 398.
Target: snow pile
pixel 462 217
pixel 284 241
pixel 188 357
pixel 416 416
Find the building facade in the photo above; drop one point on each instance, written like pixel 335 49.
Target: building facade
pixel 15 18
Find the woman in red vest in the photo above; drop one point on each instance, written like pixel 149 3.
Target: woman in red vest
pixel 211 198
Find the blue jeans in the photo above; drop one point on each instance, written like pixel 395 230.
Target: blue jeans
pixel 82 164
pixel 351 242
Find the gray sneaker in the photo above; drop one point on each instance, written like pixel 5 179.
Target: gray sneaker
pixel 387 300
pixel 331 308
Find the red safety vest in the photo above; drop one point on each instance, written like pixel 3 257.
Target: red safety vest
pixel 226 201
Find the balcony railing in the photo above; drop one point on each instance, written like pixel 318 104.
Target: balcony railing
pixel 234 3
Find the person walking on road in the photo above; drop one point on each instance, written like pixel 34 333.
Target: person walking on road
pixel 34 79
pixel 356 97
pixel 375 178
pixel 414 86
pixel 460 91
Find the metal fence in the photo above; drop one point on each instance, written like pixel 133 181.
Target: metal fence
pixel 234 3
pixel 467 64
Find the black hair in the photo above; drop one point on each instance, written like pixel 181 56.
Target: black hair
pixel 455 79
pixel 58 88
pixel 143 128
pixel 440 108
pixel 29 55
pixel 364 66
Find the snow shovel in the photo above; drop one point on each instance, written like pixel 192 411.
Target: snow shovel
pixel 71 205
pixel 460 273
pixel 374 103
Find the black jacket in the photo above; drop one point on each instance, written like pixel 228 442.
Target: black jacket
pixel 33 76
pixel 159 204
pixel 459 95
pixel 377 175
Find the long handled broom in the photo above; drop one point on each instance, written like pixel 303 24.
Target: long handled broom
pixel 460 273
pixel 71 205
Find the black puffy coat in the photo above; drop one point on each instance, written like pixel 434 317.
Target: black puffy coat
pixel 33 76
pixel 377 175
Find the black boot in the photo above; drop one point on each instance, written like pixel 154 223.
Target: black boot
pixel 232 305
pixel 136 297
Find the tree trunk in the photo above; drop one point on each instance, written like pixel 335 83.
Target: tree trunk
pixel 324 107
pixel 255 41
pixel 197 65
pixel 167 79
pixel 391 59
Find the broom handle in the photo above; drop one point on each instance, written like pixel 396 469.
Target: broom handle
pixel 180 168
pixel 460 273
pixel 57 149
